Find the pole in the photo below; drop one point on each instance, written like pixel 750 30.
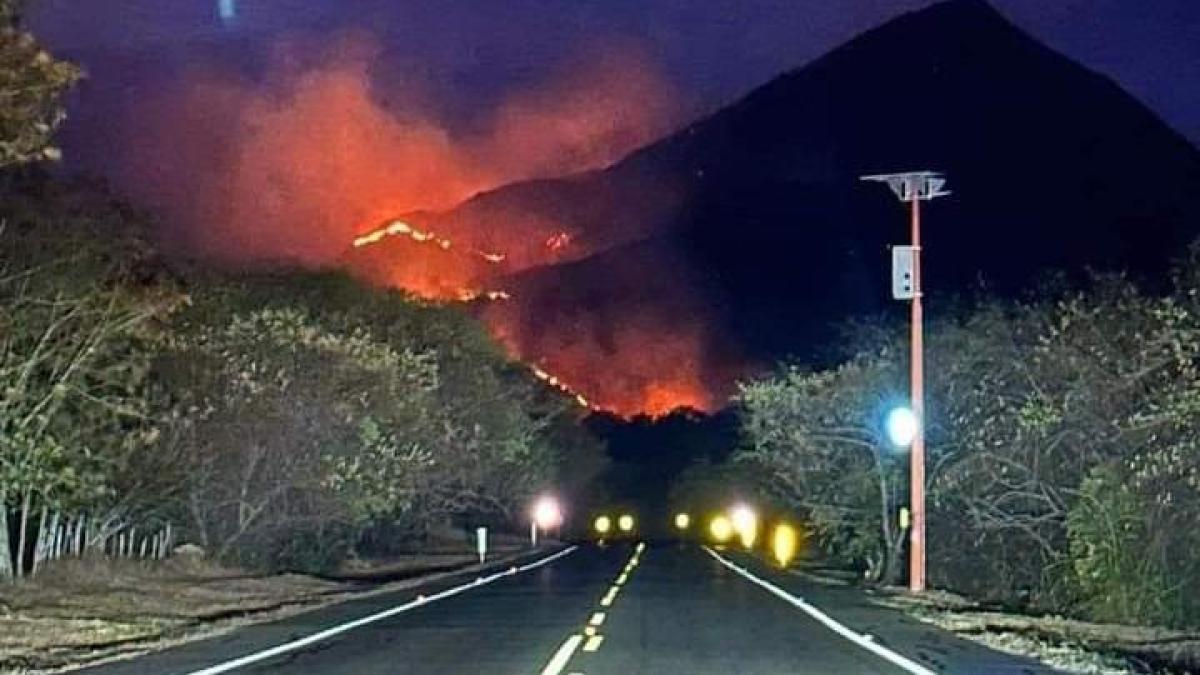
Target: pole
pixel 916 575
pixel 533 533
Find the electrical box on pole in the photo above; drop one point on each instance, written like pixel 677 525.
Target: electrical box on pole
pixel 903 265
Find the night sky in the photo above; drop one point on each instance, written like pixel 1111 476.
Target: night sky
pixel 712 51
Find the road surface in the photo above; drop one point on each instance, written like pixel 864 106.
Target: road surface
pixel 655 609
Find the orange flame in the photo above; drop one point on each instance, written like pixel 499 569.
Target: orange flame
pixel 398 228
pixel 297 163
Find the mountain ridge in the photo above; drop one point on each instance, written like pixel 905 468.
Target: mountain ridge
pixel 771 237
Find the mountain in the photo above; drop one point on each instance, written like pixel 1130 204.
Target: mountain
pixel 769 236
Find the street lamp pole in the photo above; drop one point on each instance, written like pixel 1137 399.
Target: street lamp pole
pixel 915 187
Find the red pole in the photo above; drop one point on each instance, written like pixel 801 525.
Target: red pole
pixel 916 575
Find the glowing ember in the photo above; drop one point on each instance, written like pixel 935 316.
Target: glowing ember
pixel 467 295
pixel 558 384
pixel 558 241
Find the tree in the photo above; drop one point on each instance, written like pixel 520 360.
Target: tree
pixel 310 403
pixel 290 425
pixel 73 396
pixel 817 438
pixel 1062 448
pixel 32 83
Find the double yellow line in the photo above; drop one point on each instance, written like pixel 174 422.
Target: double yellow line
pixel 591 639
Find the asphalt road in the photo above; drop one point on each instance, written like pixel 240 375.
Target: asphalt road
pixel 660 609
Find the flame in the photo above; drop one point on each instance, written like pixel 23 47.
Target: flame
pixel 558 241
pixel 558 384
pixel 469 295
pixel 642 366
pixel 399 228
pixel 303 158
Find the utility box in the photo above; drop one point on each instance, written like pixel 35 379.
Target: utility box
pixel 903 272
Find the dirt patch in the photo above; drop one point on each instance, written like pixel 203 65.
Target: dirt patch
pixel 80 612
pixel 1069 644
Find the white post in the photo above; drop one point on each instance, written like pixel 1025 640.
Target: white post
pixel 79 526
pixel 533 533
pixel 481 543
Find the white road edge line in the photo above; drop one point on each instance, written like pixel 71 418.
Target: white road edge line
pixel 563 655
pixel 879 650
pixel 379 616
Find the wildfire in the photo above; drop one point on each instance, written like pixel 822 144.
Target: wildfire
pixel 558 241
pixel 399 228
pixel 304 146
pixel 558 384
pixel 469 295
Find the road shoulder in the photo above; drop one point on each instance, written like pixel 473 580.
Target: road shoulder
pixel 930 646
pixel 133 612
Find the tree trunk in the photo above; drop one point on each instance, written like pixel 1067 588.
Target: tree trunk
pixel 6 566
pixel 55 539
pixel 40 542
pixel 23 534
pixel 888 567
pixel 79 528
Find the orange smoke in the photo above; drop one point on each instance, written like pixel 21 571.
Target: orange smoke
pixel 296 164
pixel 305 162
pixel 637 337
pixel 635 369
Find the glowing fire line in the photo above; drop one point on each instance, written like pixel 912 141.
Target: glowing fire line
pixel 468 295
pixel 560 385
pixel 399 228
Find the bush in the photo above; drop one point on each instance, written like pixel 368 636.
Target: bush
pixel 307 549
pixel 1118 565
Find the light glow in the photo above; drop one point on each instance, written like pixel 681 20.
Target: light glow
pixel 547 513
pixel 721 529
pixel 784 544
pixel 602 525
pixel 745 523
pixel 682 521
pixel 625 523
pixel 902 426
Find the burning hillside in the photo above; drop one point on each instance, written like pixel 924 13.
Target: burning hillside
pixel 307 162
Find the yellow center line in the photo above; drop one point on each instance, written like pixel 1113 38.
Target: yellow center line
pixel 609 596
pixel 591 639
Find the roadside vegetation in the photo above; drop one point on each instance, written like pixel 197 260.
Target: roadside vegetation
pixel 1063 458
pixel 277 419
pixel 280 420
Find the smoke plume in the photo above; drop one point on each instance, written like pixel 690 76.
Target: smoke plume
pixel 295 163
pixel 305 162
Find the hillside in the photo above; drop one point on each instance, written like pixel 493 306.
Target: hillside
pixel 758 207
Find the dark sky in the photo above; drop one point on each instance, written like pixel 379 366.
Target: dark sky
pixel 713 50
